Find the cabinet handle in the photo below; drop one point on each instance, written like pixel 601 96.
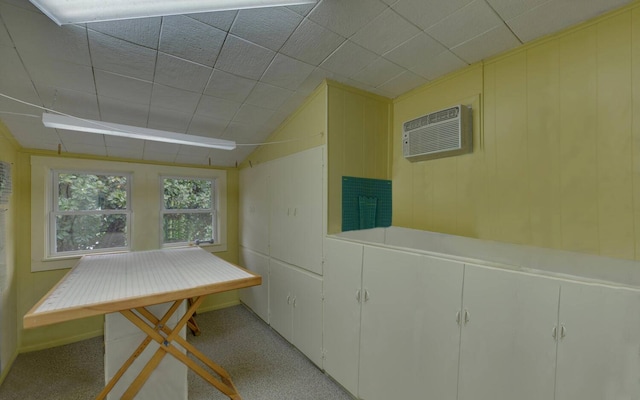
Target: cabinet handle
pixel 458 317
pixel 288 299
pixel 466 316
pixel 358 295
pixel 366 295
pixel 295 211
pixel 563 331
pixel 554 332
pixel 294 302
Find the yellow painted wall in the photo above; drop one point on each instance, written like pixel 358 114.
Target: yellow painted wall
pixel 33 285
pixel 358 142
pixel 8 280
pixel 555 163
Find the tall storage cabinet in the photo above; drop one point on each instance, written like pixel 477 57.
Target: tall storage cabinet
pixel 281 238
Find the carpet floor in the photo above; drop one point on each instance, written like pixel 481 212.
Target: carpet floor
pixel 262 364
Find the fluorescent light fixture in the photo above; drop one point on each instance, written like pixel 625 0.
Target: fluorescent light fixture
pixel 133 132
pixel 82 11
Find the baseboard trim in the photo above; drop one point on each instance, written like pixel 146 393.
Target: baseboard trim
pixel 218 306
pixel 7 367
pixel 63 341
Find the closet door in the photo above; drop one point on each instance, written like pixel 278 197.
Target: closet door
pixel 280 299
pixel 256 297
pixel 508 348
pixel 410 339
pixel 254 208
pixel 342 296
pixel 599 343
pixel 279 229
pixel 307 315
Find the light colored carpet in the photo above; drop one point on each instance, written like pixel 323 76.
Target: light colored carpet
pixel 262 364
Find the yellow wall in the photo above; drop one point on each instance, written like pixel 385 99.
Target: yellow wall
pixel 358 142
pixel 33 285
pixel 554 163
pixel 8 280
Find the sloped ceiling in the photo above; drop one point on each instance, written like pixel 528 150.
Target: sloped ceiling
pixel 237 75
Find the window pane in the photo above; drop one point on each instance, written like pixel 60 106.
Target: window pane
pixel 90 232
pixel 181 228
pixel 85 192
pixel 187 194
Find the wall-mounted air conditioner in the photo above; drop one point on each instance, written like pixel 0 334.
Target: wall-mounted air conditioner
pixel 438 134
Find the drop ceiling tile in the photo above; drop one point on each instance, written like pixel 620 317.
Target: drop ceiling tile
pixel 228 86
pixel 416 51
pixel 348 59
pixel 190 39
pixel 67 43
pixel 194 159
pixel 78 104
pixel 123 112
pixel 508 9
pixel 314 80
pixel 441 64
pixel 396 31
pixel 488 44
pixel 175 99
pixel 219 19
pixel 120 57
pixel 117 142
pixel 252 115
pixel 180 73
pixel 302 9
pixel 124 152
pixel 122 87
pixel 286 72
pixel 468 22
pixel 168 120
pixel 311 43
pixel 402 83
pixel 426 13
pixel 142 31
pixel 60 74
pixel 203 125
pixel 80 148
pixel 268 27
pixel 25 5
pixel 151 146
pixel 346 17
pixel 20 85
pixel 378 72
pixel 193 151
pixel 268 96
pixel 214 107
pixel 30 133
pixel 556 15
pixel 76 137
pixel 244 58
pixel 159 156
pixel 5 40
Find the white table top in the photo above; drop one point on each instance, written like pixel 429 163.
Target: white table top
pixel 101 284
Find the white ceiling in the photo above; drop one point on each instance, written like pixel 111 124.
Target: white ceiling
pixel 237 75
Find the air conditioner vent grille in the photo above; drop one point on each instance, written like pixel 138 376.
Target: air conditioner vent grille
pixel 439 134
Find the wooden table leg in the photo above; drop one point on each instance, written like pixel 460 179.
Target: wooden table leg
pixel 153 331
pixel 192 323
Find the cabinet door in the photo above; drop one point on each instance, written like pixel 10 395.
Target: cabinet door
pixel 279 232
pixel 256 297
pixel 254 208
pixel 507 348
pixel 342 283
pixel 307 315
pixel 280 299
pixel 599 355
pixel 410 339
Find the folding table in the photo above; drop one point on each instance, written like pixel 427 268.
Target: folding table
pixel 130 282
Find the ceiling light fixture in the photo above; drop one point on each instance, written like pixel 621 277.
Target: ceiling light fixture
pixel 83 11
pixel 133 132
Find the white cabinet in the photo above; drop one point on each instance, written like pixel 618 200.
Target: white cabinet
pixel 295 307
pixel 256 297
pixel 599 343
pixel 342 292
pixel 254 208
pixel 296 204
pixel 410 338
pixel 507 348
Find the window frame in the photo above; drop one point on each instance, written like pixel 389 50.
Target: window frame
pixel 53 212
pixel 215 221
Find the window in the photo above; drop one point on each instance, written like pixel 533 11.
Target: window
pixel 188 210
pixel 91 212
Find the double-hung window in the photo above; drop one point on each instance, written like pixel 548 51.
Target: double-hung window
pixel 91 212
pixel 188 210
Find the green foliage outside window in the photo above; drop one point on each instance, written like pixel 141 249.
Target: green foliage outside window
pixel 86 216
pixel 189 213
